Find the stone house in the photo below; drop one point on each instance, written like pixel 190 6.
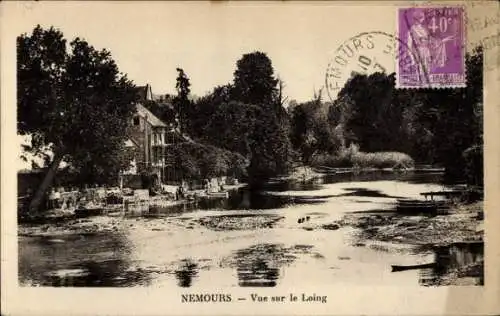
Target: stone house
pixel 150 138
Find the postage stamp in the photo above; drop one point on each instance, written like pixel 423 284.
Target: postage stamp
pixel 436 38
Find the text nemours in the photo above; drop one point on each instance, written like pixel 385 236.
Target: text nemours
pixel 253 297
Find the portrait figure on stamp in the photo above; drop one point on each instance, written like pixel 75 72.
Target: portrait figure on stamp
pixel 435 40
pixel 430 49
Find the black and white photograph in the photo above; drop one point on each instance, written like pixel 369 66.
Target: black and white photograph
pixel 201 147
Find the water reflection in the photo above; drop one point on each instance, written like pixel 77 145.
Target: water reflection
pixel 259 265
pixel 466 259
pixel 257 274
pixel 290 185
pixel 186 272
pixel 109 273
pixel 415 177
pixel 242 199
pixel 364 192
pixel 109 259
pixel 65 262
pixel 248 199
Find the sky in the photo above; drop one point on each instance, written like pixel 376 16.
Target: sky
pixel 150 40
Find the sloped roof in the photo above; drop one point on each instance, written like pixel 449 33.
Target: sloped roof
pixel 175 136
pixel 150 117
pixel 130 143
pixel 143 91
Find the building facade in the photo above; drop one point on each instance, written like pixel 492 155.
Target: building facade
pixel 150 139
pixel 146 137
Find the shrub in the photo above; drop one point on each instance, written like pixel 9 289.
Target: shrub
pixel 352 157
pixel 380 160
pixel 474 165
pixel 198 161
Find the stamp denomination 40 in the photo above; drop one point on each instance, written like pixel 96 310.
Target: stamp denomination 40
pixel 435 37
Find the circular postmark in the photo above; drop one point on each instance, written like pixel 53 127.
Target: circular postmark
pixel 366 53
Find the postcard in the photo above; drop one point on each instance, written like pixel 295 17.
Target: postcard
pixel 263 158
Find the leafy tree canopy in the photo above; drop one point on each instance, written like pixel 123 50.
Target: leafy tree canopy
pixel 73 100
pixel 433 125
pixel 254 81
pixel 182 103
pixel 311 132
pixel 195 161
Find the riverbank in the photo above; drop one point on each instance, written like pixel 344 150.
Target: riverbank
pixel 159 200
pixel 460 225
pixel 301 221
pixel 67 226
pixel 463 224
pixel 308 173
pixel 302 173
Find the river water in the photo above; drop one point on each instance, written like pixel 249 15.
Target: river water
pixel 252 239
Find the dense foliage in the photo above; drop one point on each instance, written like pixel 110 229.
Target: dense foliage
pixel 197 161
pixel 431 125
pixel 76 103
pixel 182 104
pixel 254 81
pixel 246 117
pixel 351 157
pixel 311 132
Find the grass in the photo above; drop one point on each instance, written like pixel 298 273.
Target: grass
pixel 351 157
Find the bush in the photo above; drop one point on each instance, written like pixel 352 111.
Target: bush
pixel 474 165
pixel 352 157
pixel 198 161
pixel 380 160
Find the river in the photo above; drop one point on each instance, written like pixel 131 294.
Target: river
pixel 273 237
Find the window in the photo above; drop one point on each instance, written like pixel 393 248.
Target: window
pixel 136 121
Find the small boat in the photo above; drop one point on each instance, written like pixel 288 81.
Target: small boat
pixel 218 194
pixel 420 206
pixel 420 202
pixel 89 210
pixel 396 268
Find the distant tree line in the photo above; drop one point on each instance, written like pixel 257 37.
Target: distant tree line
pixel 245 117
pixel 434 126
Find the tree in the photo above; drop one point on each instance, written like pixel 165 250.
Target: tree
pixel 232 127
pixel 270 149
pixel 182 103
pixel 204 108
pixel 163 109
pixel 247 118
pixel 281 98
pixel 460 113
pixel 252 132
pixel 254 81
pixel 442 126
pixel 372 117
pixel 77 103
pixel 195 161
pixel 310 130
